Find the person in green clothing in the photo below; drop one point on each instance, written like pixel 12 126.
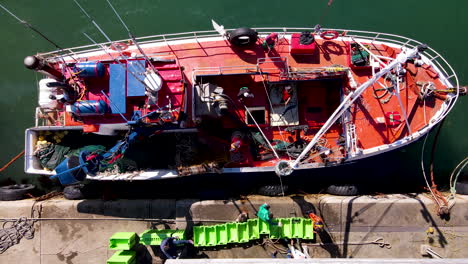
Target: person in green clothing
pixel 265 215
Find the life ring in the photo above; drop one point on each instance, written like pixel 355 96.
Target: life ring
pixel 119 46
pixel 329 34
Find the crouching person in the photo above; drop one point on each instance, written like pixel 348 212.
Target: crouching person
pixel 265 215
pixel 173 248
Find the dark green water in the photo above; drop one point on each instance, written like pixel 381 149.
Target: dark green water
pixel 441 24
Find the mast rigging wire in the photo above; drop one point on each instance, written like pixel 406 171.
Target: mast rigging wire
pixel 24 22
pixel 108 39
pixel 132 37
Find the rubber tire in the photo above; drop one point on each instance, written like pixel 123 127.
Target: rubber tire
pixel 73 192
pixel 235 35
pixel 462 188
pixel 343 190
pixel 272 190
pixel 14 192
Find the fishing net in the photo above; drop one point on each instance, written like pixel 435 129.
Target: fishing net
pixel 51 155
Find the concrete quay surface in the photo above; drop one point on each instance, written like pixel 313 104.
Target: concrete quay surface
pixel 386 226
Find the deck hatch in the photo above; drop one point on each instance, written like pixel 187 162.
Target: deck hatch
pixel 117 91
pixel 135 87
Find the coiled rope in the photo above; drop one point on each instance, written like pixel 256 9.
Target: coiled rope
pixel 12 235
pixel 14 230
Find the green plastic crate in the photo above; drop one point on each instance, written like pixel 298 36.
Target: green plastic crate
pixel 242 232
pixel 263 227
pixel 211 236
pixel 221 232
pixel 199 239
pixel 308 229
pixel 276 231
pixel 233 235
pixel 288 228
pixel 123 257
pixel 155 237
pixel 296 227
pixel 123 241
pixel 253 226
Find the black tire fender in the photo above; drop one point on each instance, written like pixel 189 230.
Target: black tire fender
pixel 14 192
pixel 343 190
pixel 273 190
pixel 243 37
pixel 73 192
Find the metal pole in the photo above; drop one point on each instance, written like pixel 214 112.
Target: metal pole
pixel 133 38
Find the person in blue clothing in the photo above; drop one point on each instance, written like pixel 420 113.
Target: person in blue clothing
pixel 169 247
pixel 265 215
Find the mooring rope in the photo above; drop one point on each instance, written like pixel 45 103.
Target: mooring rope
pixel 12 160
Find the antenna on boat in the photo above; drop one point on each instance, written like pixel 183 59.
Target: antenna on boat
pixel 133 38
pixel 24 22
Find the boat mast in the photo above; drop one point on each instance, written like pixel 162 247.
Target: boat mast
pixel 353 96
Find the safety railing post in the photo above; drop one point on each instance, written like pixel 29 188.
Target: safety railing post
pixel 375 37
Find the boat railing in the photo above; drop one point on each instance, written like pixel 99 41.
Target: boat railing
pixel 449 76
pixel 280 64
pixel 432 55
pixel 259 68
pixel 370 36
pixel 219 70
pixel 47 117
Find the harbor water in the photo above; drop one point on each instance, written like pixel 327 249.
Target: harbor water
pixel 440 24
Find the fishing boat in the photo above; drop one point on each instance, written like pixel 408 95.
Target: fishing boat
pixel 245 100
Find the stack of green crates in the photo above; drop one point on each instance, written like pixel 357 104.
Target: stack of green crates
pixel 123 242
pixel 223 234
pixel 155 237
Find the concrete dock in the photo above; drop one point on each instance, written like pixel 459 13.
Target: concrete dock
pixel 385 226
